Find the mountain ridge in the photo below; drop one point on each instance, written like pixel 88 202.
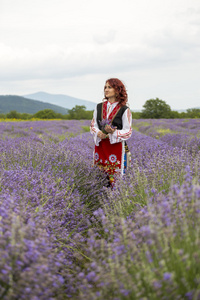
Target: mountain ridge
pixel 25 105
pixel 62 100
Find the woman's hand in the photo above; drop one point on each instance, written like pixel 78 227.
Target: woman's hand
pixel 109 129
pixel 101 135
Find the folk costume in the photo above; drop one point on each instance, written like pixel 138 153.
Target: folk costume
pixel 111 153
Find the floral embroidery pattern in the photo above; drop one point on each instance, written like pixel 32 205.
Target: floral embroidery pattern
pixel 112 158
pixel 96 156
pixel 111 168
pixel 109 158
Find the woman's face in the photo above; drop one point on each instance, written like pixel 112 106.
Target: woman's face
pixel 109 91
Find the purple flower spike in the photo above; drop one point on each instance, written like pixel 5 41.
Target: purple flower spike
pixel 167 276
pixel 103 124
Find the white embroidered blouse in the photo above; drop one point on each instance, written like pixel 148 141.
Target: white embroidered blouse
pixel 118 135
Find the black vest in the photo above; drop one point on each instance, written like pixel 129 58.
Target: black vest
pixel 117 119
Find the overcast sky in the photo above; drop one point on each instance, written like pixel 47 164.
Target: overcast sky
pixel 72 47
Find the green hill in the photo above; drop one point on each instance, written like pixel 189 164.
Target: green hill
pixel 24 105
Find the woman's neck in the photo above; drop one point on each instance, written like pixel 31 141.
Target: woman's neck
pixel 112 99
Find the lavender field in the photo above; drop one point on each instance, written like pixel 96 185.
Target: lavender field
pixel 65 235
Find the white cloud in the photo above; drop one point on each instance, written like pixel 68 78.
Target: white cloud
pixel 53 44
pixel 57 62
pixel 105 38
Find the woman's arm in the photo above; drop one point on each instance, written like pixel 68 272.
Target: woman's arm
pixel 94 129
pixel 126 131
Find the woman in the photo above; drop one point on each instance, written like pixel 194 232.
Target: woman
pixel 111 127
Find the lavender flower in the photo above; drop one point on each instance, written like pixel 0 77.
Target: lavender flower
pixel 167 276
pixel 103 124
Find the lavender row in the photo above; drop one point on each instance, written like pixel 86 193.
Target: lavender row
pixel 45 130
pixel 178 133
pixel 41 210
pixel 185 126
pixel 152 254
pixel 146 244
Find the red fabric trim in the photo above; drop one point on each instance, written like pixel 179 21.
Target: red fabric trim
pixel 92 125
pixel 129 115
pixel 113 113
pixel 104 110
pixel 124 135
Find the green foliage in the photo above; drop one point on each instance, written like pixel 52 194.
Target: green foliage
pixel 193 113
pixel 86 128
pixel 47 114
pixel 88 115
pixel 136 115
pixel 156 109
pixel 2 116
pixel 79 113
pixel 25 116
pixel 13 114
pixel 174 114
pixel 183 115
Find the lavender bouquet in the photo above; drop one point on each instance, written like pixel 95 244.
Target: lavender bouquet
pixel 103 124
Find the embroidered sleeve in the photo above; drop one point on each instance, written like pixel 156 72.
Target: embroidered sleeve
pixel 125 133
pixel 94 129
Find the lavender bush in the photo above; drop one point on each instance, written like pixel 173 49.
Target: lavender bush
pixel 152 254
pixel 65 235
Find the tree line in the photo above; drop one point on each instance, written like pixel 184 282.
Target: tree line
pixel 159 109
pixel 152 109
pixel 78 112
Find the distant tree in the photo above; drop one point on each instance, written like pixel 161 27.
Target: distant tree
pixel 88 115
pixel 78 112
pixel 193 113
pixel 136 115
pixel 2 116
pixel 13 114
pixel 25 116
pixel 175 114
pixel 183 115
pixel 156 109
pixel 46 114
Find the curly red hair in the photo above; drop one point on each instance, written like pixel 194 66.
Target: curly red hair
pixel 121 93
